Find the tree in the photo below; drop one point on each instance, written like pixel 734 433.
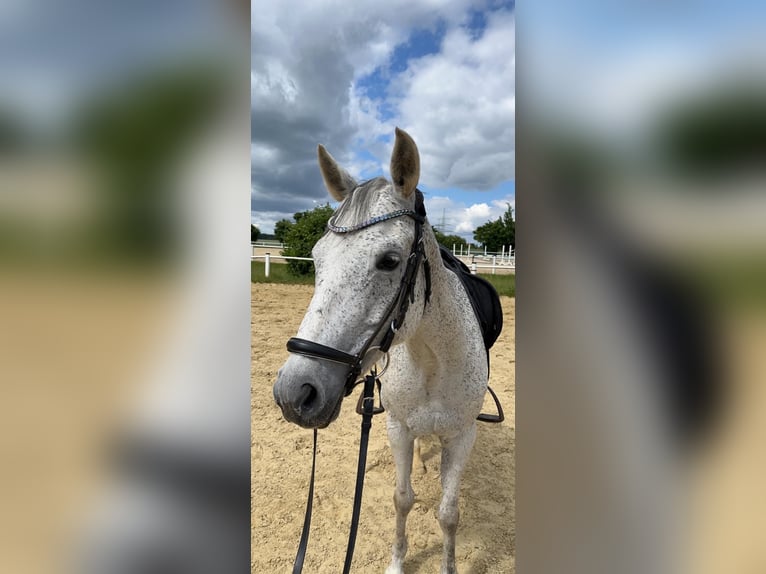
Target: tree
pixel 510 227
pixel 302 235
pixel 281 228
pixel 254 233
pixel 493 235
pixel 449 240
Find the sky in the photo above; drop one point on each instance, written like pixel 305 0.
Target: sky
pixel 345 74
pixel 54 57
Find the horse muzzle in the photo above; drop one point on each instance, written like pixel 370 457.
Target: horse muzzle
pixel 307 400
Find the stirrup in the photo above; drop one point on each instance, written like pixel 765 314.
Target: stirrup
pixel 487 418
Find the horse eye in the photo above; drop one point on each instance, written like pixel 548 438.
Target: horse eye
pixel 388 262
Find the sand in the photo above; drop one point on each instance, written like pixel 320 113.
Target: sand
pixel 281 464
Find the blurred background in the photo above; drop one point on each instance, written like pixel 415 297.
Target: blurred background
pixel 641 287
pixel 124 298
pixel 124 286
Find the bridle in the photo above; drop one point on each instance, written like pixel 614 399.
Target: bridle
pixel 398 307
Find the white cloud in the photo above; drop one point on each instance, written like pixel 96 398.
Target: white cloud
pixel 455 217
pixel 307 60
pixel 459 106
pixel 263 153
pixel 478 210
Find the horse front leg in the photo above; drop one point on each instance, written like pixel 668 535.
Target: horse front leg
pixel 404 497
pixel 455 453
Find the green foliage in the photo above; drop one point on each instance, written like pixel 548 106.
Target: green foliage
pixel 494 234
pixel 255 233
pixel 281 228
pixel 449 240
pixel 302 235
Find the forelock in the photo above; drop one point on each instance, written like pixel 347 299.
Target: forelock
pixel 358 205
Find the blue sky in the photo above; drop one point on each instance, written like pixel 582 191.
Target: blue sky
pixel 345 78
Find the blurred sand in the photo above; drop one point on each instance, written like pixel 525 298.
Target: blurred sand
pixel 70 352
pixel 281 464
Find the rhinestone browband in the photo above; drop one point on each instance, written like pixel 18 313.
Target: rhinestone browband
pixel 377 219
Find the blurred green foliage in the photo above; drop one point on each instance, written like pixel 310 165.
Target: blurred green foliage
pixel 135 138
pixel 14 136
pixel 715 133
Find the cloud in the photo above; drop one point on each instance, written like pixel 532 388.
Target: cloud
pixel 460 106
pixel 308 63
pixel 458 218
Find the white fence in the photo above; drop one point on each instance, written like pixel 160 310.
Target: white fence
pixel 508 264
pixel 267 243
pixel 465 251
pixel 268 257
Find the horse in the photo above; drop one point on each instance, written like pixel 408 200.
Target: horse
pixel 437 370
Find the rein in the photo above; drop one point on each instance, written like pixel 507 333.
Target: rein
pixel 365 407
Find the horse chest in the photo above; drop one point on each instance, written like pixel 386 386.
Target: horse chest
pixel 426 407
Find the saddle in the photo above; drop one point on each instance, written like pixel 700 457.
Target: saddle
pixel 483 297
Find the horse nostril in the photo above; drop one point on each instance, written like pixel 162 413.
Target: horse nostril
pixel 308 395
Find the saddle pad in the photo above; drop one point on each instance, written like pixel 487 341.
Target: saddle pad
pixel 483 298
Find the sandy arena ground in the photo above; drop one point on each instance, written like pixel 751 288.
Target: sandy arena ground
pixel 281 463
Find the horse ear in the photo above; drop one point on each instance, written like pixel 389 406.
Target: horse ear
pixel 336 179
pixel 405 163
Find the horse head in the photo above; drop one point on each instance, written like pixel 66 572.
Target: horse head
pixel 360 264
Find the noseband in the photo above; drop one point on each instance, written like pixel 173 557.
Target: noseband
pixel 398 307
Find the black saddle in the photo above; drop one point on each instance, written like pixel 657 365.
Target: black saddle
pixel 483 298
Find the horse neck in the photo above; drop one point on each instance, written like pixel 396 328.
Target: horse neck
pixel 443 300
